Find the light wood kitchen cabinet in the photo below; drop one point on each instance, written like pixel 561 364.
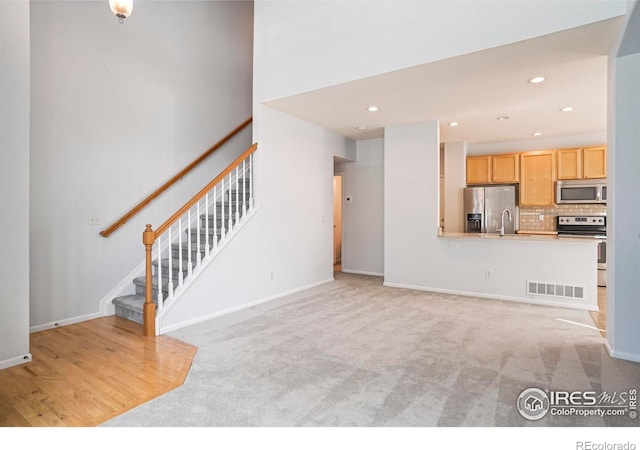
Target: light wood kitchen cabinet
pixel 493 169
pixel 537 178
pixel 505 168
pixel 478 169
pixel 594 162
pixel 579 163
pixel 569 162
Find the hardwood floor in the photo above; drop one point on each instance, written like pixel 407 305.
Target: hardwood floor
pixel 600 317
pixel 87 373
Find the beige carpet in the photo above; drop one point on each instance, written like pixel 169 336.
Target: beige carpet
pixel 354 353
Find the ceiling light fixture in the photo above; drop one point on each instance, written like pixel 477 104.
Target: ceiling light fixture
pixel 536 133
pixel 566 109
pixel 372 108
pixel 121 8
pixel 536 80
pixel 502 117
pixel 361 127
pixel 453 124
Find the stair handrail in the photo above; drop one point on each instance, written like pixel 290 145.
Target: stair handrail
pixel 150 235
pixel 140 206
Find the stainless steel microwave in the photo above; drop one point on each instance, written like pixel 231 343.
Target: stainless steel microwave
pixel 581 191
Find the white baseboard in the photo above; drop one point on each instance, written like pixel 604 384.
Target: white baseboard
pixel 533 301
pixel 61 323
pixel 11 362
pixel 621 355
pixel 362 272
pixel 224 312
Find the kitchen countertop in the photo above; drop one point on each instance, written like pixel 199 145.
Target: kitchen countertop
pixel 550 233
pixel 517 237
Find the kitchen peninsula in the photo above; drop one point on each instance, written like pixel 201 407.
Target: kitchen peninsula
pixel 538 266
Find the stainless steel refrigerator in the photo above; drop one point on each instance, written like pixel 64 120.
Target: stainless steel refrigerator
pixel 484 206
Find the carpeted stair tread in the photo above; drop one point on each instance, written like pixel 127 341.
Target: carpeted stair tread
pixel 131 302
pixel 141 281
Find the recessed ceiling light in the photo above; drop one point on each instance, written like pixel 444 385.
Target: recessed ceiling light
pixel 536 133
pixel 566 109
pixel 361 127
pixel 453 124
pixel 502 117
pixel 535 80
pixel 372 108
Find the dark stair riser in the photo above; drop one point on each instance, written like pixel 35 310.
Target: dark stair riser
pixel 175 251
pixel 139 284
pixel 175 270
pixel 203 236
pixel 218 221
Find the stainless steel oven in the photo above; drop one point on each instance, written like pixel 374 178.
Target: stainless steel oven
pixel 581 191
pixel 588 227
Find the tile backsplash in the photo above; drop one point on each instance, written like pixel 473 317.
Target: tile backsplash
pixel 530 216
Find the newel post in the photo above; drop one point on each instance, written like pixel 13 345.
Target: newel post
pixel 149 309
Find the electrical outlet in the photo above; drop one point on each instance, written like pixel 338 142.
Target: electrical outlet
pixel 94 220
pixel 488 273
pixel 454 245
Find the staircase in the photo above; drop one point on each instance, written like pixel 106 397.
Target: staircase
pixel 218 226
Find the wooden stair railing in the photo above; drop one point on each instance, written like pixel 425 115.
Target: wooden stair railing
pixel 150 236
pixel 136 209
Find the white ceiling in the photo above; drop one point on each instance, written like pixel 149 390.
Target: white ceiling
pixel 475 89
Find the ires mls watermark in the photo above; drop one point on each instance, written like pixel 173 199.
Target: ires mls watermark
pixel 534 403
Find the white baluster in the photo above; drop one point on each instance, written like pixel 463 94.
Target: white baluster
pixel 170 274
pixel 230 203
pixel 159 272
pixel 206 224
pixel 215 217
pixel 180 274
pixel 244 187
pixel 189 270
pixel 251 181
pixel 222 231
pixel 199 257
pixel 237 195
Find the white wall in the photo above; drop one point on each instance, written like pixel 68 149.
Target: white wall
pixel 313 44
pixel 623 209
pixel 416 258
pixel 411 196
pixel 580 140
pixel 116 111
pixel 363 218
pixel 288 244
pixel 14 182
pixel 455 180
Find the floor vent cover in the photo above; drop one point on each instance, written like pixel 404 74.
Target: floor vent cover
pixel 555 290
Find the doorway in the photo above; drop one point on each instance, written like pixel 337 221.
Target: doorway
pixel 337 223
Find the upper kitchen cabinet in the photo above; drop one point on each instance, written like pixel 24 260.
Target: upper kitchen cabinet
pixel 594 162
pixel 569 162
pixel 493 169
pixel 478 169
pixel 579 163
pixel 505 168
pixel 537 177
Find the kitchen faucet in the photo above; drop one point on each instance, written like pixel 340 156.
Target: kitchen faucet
pixel 501 229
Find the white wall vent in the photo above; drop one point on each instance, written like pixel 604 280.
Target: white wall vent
pixel 555 290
